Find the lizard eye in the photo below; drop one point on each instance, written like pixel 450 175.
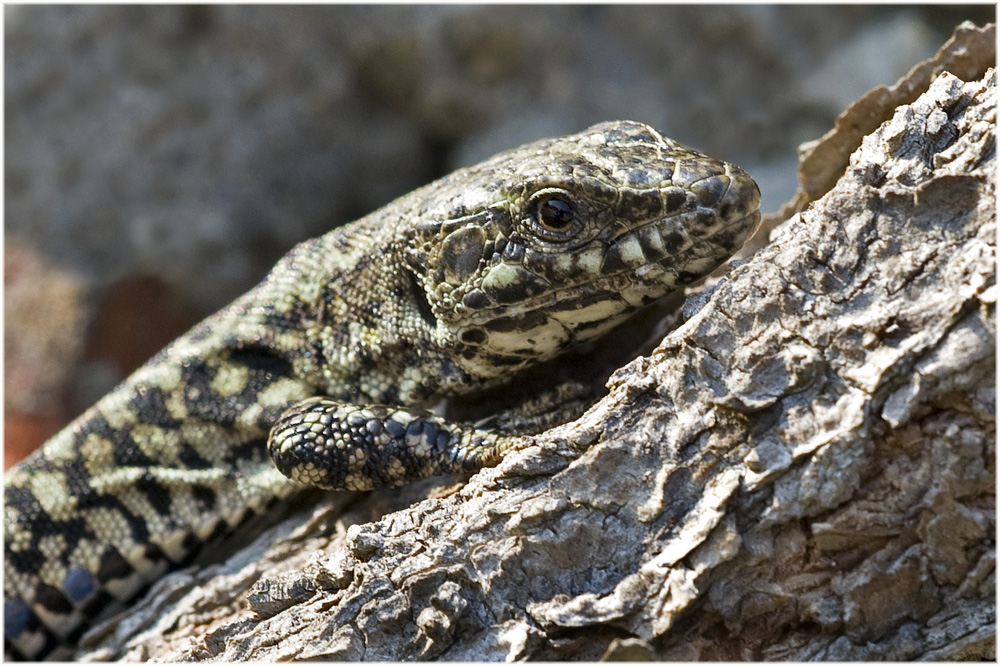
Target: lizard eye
pixel 554 215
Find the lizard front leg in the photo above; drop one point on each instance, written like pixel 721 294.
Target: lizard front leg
pixel 330 444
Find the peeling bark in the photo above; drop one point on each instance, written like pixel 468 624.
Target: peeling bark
pixel 968 54
pixel 803 469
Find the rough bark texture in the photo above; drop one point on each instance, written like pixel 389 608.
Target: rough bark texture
pixel 967 55
pixel 804 469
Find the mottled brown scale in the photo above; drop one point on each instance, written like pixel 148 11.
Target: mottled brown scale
pixel 327 368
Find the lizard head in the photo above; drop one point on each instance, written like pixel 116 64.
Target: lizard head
pixel 554 243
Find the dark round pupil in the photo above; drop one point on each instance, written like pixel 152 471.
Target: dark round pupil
pixel 555 214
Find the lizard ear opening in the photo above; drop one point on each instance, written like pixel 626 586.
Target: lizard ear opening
pixel 419 298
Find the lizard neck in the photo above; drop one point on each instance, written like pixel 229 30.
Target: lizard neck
pixel 355 325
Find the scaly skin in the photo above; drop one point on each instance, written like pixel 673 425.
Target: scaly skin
pixel 339 353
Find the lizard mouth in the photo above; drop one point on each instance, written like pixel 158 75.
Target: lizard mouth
pixel 649 258
pixel 688 231
pixel 650 262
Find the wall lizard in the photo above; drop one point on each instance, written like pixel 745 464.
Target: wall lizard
pixel 326 372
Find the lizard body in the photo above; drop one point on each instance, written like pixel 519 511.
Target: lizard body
pixel 327 370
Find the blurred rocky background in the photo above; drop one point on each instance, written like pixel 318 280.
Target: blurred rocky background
pixel 160 159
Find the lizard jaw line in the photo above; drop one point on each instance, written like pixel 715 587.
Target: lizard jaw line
pixel 610 281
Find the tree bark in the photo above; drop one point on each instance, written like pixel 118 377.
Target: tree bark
pixel 803 469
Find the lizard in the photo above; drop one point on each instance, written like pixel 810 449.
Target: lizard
pixel 327 372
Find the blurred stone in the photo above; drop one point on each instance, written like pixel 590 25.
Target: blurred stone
pixel 43 324
pixel 137 318
pixel 23 433
pixel 197 144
